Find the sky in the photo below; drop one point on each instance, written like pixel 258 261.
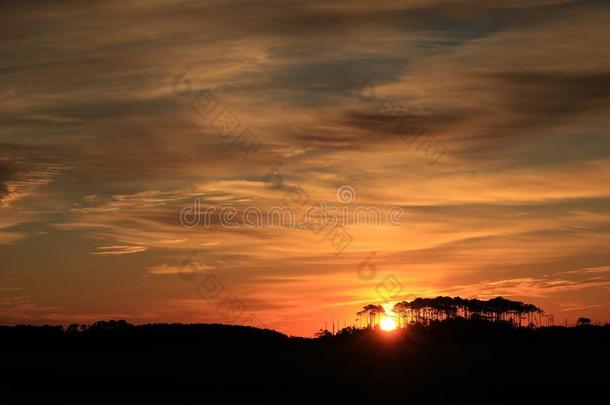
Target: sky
pixel 482 126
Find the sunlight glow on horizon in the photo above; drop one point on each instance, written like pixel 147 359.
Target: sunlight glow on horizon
pixel 387 324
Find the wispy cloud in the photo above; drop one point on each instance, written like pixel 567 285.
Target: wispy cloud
pixel 118 250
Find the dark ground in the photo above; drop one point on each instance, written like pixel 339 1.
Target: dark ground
pixel 455 361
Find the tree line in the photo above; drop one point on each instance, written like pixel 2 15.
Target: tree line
pixel 426 310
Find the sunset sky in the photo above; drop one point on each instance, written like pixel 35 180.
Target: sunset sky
pixel 104 141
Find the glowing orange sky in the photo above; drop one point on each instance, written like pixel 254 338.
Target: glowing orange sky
pixel 101 149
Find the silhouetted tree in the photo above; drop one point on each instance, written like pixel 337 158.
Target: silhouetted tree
pixel 426 310
pixel 322 333
pixel 372 312
pixel 402 309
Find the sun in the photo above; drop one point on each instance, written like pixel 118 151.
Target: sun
pixel 387 324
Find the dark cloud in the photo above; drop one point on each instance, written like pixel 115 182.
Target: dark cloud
pixel 404 122
pixel 7 173
pixel 552 97
pixel 339 77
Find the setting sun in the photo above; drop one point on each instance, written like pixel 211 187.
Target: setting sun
pixel 387 324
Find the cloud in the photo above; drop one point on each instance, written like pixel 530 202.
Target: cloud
pixel 6 173
pixel 531 287
pixel 17 307
pixel 189 268
pixel 579 307
pixel 118 250
pixel 22 182
pixel 590 270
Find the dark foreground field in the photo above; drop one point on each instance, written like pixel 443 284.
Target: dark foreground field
pixel 455 361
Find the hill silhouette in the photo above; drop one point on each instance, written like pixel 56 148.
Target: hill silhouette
pixel 452 360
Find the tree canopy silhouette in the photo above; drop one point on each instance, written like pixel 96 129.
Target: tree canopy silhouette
pixel 372 313
pixel 424 310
